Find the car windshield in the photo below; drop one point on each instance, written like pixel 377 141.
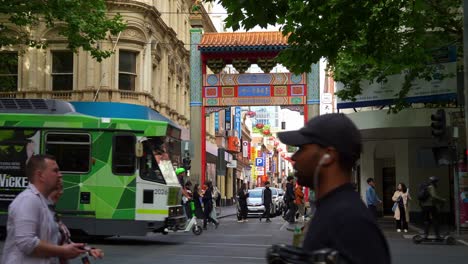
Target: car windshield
pixel 274 191
pixel 255 194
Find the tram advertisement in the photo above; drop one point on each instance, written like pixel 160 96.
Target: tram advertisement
pixel 16 147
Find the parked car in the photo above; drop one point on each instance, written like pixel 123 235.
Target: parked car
pixel 281 205
pixel 255 205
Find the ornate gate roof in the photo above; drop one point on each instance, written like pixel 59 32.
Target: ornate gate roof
pixel 243 41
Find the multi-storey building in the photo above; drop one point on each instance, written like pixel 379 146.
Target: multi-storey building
pixel 149 67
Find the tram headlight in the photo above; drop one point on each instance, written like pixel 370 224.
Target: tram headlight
pixel 175 211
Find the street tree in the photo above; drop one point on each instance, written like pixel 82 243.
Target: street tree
pixel 82 22
pixel 361 40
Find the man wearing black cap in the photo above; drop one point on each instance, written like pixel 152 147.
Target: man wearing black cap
pixel 329 146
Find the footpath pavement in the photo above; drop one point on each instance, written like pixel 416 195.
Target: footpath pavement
pixel 462 238
pixel 386 223
pixel 225 211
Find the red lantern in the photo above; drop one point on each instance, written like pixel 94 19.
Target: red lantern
pixel 279 149
pixel 266 132
pixel 259 125
pixel 251 113
pixel 276 143
pixel 272 138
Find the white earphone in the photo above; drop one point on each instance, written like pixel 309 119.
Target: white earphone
pixel 324 158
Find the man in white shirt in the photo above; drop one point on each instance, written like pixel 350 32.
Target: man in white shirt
pixel 32 232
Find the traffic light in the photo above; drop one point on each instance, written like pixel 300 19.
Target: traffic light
pixel 438 124
pixel 186 163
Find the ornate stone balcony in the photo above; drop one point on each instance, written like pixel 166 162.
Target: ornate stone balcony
pixel 104 95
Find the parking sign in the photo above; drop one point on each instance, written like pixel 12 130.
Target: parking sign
pixel 259 162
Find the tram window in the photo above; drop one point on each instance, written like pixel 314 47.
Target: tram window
pixel 72 151
pixel 123 155
pixel 149 169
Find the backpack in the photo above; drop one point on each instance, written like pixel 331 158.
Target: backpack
pixel 423 193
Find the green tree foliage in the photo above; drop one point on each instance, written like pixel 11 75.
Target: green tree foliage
pixel 82 22
pixel 361 39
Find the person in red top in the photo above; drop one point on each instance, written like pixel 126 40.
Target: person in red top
pixel 299 202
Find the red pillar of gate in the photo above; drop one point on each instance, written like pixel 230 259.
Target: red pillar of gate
pixel 203 127
pixel 203 146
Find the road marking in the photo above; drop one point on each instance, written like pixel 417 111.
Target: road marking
pixel 463 242
pixel 237 235
pixel 230 244
pixel 210 256
pixel 284 226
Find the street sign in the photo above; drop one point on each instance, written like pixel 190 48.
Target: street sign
pixel 267 163
pixel 232 164
pixel 259 162
pixel 327 98
pixel 326 109
pixel 260 171
pixel 245 149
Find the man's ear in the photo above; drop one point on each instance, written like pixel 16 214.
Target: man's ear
pixel 38 176
pixel 328 157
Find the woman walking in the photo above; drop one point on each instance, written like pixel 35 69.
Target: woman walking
pixel 197 199
pixel 401 197
pixel 242 195
pixel 208 205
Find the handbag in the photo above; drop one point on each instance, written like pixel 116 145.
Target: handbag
pixel 395 204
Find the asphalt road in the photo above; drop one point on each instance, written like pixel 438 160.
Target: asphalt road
pixel 247 242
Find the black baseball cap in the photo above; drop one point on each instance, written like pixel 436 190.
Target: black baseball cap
pixel 330 130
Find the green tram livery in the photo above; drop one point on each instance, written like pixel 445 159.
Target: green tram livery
pixel 113 183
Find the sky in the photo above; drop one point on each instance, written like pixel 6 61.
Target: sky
pixel 221 13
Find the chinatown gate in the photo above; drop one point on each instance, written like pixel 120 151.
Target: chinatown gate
pixel 213 90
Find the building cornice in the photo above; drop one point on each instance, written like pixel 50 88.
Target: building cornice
pixel 148 10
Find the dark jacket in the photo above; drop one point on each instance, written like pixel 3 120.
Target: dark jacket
pixel 266 196
pixel 242 196
pixel 289 196
pixel 198 205
pixel 208 197
pixel 434 199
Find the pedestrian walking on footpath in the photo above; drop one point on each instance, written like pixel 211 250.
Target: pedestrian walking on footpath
pixel 216 196
pixel 329 146
pixel 372 199
pixel 197 195
pixel 289 198
pixel 299 202
pixel 401 197
pixel 267 201
pixel 208 205
pixel 32 232
pixel 242 196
